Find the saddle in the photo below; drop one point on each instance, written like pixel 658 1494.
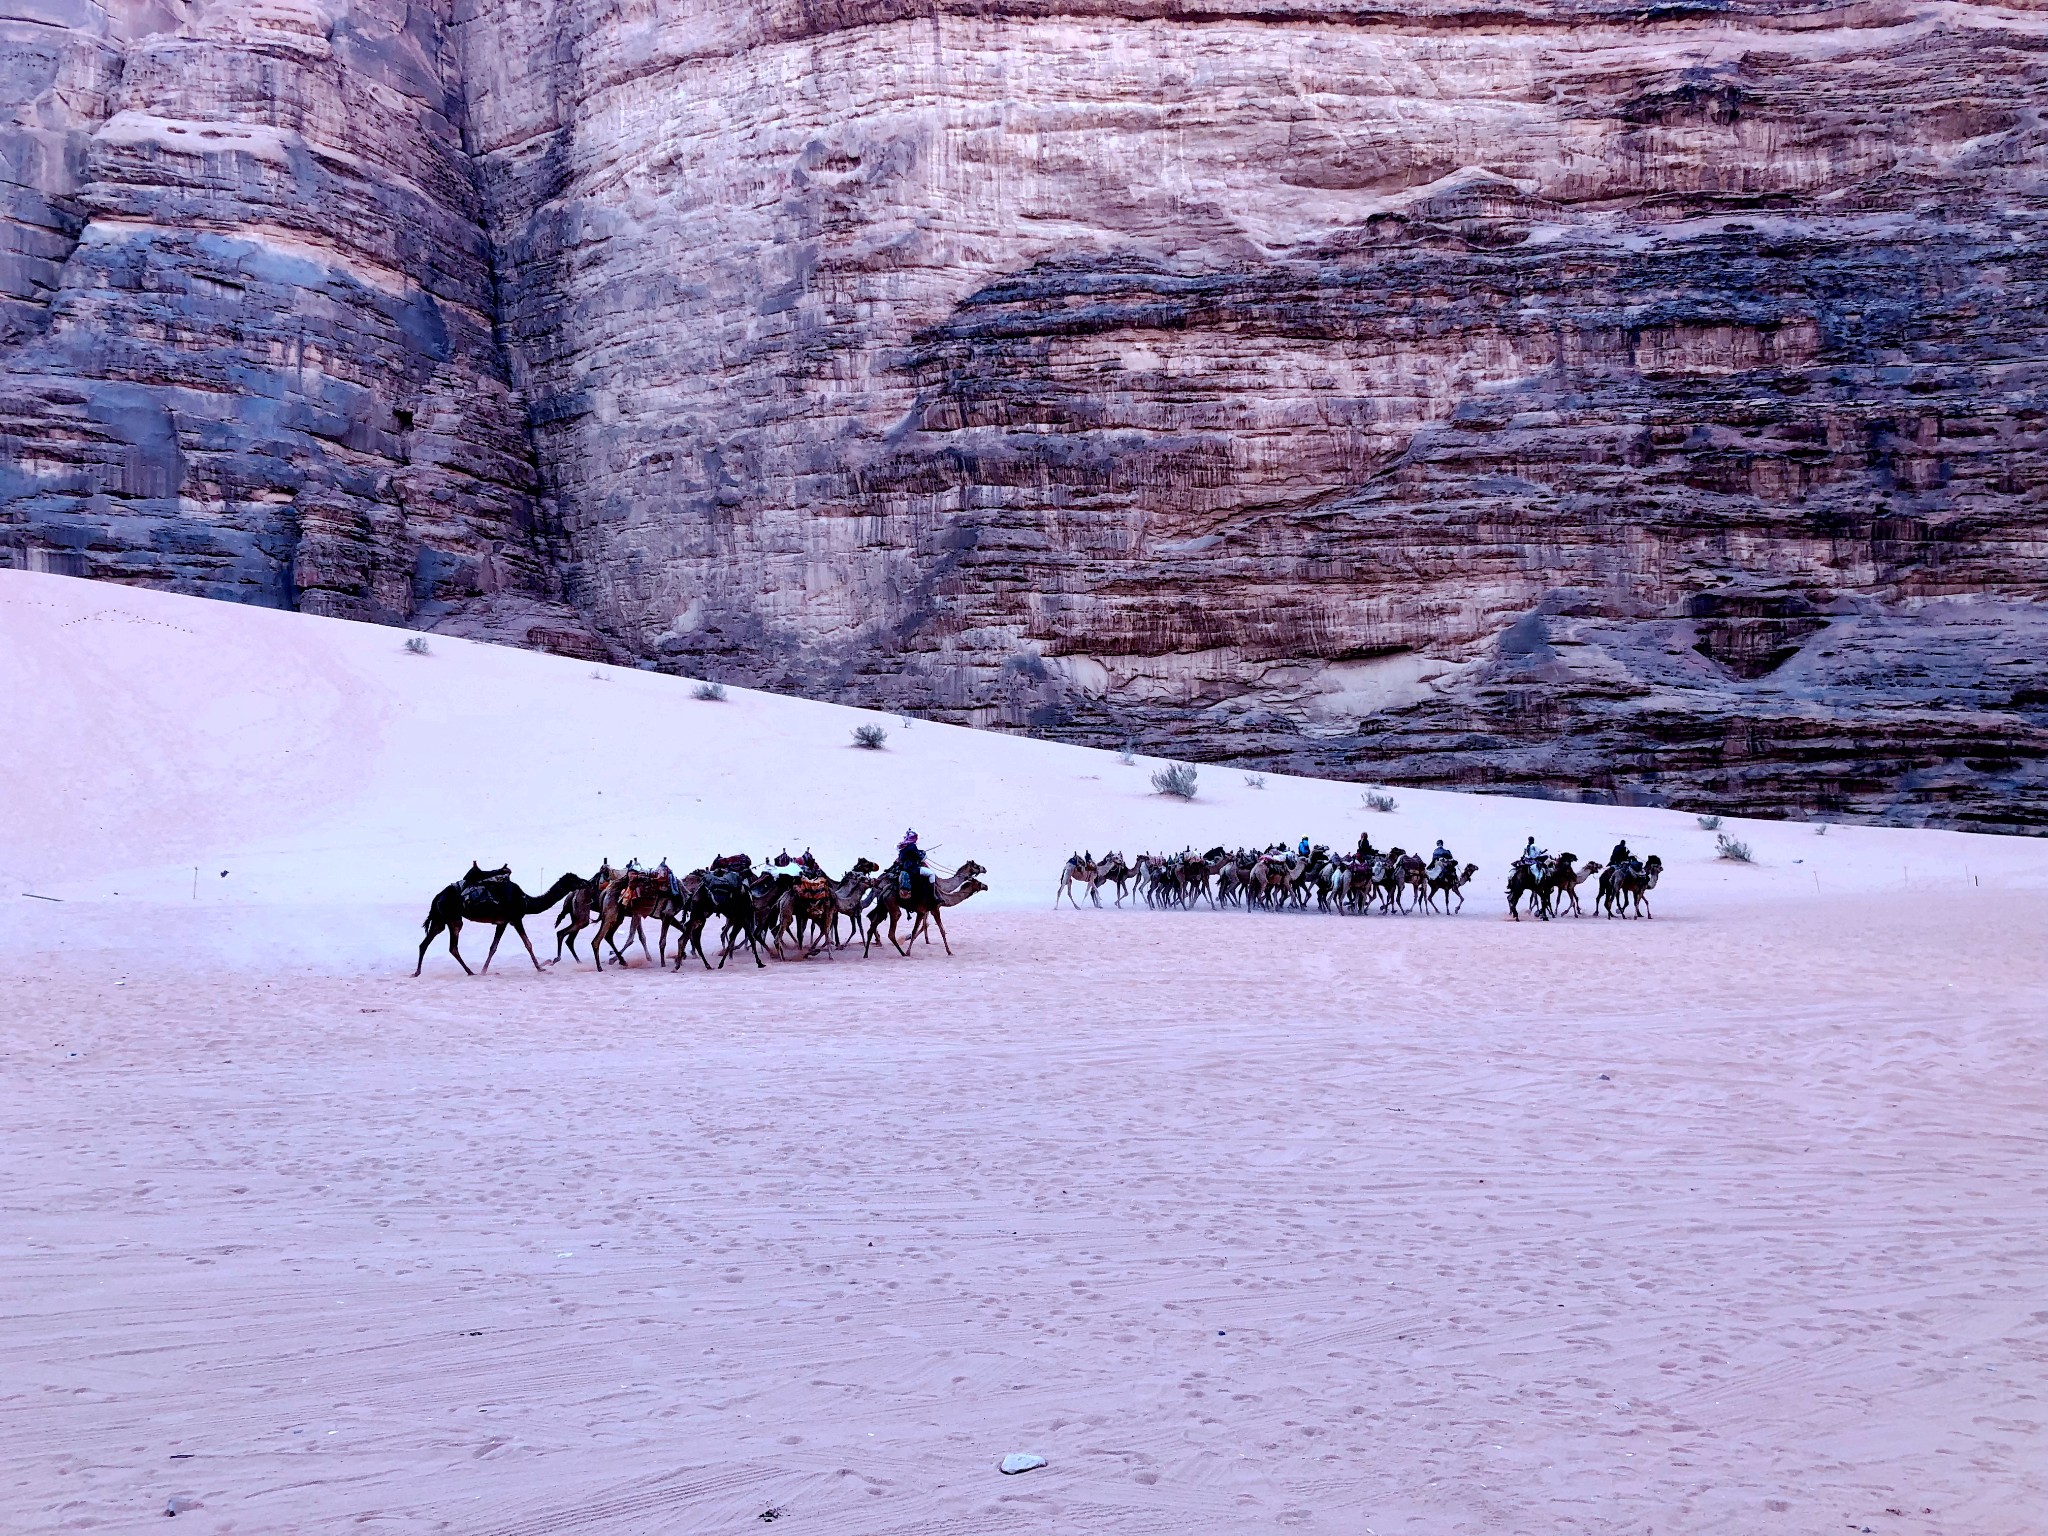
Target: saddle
pixel 813 889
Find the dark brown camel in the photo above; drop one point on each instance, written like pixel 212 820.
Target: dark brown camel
pixel 495 900
pixel 1449 881
pixel 1525 881
pixel 1565 881
pixel 925 903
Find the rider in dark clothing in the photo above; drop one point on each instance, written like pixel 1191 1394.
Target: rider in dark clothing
pixel 1621 855
pixel 1365 847
pixel 911 878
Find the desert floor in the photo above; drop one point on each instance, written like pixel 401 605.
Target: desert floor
pixel 1730 1222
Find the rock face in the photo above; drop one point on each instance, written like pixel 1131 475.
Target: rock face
pixel 246 312
pixel 1648 403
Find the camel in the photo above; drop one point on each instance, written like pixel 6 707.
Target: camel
pixel 1272 879
pixel 1112 870
pixel 635 894
pixel 1388 880
pixel 817 902
pixel 1543 884
pixel 1629 882
pixel 1523 880
pixel 1080 869
pixel 891 903
pixel 1448 881
pixel 580 910
pixel 725 892
pixel 851 893
pixel 495 900
pixel 1413 875
pixel 1565 881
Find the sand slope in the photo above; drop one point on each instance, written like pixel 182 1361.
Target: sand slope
pixel 322 764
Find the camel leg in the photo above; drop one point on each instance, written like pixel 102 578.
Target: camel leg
pixel 452 930
pixel 939 917
pixel 495 938
pixel 519 926
pixel 893 913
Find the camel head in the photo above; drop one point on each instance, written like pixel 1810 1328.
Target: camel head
pixel 970 869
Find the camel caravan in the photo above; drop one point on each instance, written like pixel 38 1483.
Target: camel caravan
pixel 1368 880
pixel 789 908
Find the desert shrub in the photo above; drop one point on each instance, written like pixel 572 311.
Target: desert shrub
pixel 1255 781
pixel 417 645
pixel 1127 754
pixel 1376 801
pixel 1732 848
pixel 1708 823
pixel 1822 830
pixel 710 693
pixel 869 736
pixel 1177 780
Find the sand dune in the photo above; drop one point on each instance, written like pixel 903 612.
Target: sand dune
pixel 1726 1222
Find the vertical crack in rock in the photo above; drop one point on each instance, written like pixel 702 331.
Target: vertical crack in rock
pixel 1642 404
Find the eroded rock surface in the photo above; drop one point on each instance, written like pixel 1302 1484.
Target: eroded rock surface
pixel 248 309
pixel 1628 402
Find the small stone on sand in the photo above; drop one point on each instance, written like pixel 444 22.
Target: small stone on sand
pixel 1019 1461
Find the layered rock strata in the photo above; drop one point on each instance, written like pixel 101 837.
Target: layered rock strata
pixel 248 310
pixel 1643 403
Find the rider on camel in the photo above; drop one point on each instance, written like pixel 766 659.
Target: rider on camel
pixel 1620 856
pixel 1532 856
pixel 1441 855
pixel 911 878
pixel 1365 847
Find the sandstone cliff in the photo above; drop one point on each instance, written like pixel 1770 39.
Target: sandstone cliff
pixel 246 317
pixel 1639 402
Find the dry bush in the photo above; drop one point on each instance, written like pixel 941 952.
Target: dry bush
pixel 870 737
pixel 1177 780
